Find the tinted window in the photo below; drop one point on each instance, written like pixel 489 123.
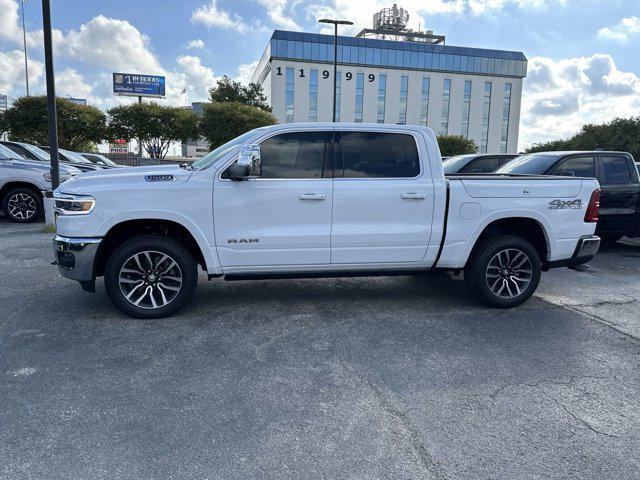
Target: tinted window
pixel 455 164
pixel 17 150
pixel 616 170
pixel 483 165
pixel 532 164
pixel 379 155
pixel 576 167
pixel 295 155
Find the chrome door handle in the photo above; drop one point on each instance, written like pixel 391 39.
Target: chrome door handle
pixel 413 196
pixel 312 196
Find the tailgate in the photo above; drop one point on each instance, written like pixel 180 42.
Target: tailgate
pixel 529 187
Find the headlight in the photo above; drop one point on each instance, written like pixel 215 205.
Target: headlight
pixel 74 204
pixel 63 178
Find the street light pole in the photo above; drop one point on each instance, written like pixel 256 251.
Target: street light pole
pixel 24 38
pixel 51 95
pixel 335 24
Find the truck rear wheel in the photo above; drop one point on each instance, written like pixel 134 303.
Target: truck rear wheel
pixel 503 271
pixel 22 205
pixel 151 276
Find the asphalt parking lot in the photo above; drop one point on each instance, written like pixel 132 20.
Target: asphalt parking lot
pixel 401 377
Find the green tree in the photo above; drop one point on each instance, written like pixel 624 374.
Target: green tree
pixel 620 134
pixel 157 126
pixel 224 121
pixel 79 126
pixel 228 90
pixel 456 145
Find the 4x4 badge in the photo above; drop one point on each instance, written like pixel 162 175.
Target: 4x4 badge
pixel 564 204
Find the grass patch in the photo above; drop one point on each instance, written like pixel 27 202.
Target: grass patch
pixel 49 229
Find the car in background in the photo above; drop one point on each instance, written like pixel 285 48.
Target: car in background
pixel 75 159
pixel 476 163
pixel 24 183
pixel 100 160
pixel 619 184
pixel 41 154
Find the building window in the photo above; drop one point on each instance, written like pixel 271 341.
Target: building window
pixel 338 93
pixel 288 108
pixel 446 97
pixel 359 96
pixel 466 107
pixel 486 109
pixel 506 108
pixel 313 96
pixel 404 90
pixel 424 101
pixel 382 95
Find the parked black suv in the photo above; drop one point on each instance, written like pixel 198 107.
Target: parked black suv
pixel 619 184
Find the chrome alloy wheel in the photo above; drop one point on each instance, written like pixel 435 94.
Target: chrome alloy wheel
pixel 509 273
pixel 150 279
pixel 22 206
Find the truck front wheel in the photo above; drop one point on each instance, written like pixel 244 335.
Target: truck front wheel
pixel 503 271
pixel 151 276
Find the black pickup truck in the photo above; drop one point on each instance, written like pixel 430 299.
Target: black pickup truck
pixel 619 184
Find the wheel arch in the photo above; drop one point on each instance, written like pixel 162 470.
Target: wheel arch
pixel 533 228
pixel 119 232
pixel 11 184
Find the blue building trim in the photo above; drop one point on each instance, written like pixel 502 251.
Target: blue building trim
pixel 370 52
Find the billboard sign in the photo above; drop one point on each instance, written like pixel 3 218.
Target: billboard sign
pixel 138 85
pixel 4 102
pixel 119 146
pixel 79 101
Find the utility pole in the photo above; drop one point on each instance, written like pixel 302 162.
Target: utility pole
pixel 139 138
pixel 51 94
pixel 24 38
pixel 335 55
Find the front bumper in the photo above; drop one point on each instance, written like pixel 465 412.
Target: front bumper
pixel 75 257
pixel 586 249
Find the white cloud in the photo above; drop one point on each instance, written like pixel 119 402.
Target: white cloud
pixel 280 12
pixel 245 72
pixel 9 17
pixel 71 83
pixel 194 76
pixel 213 16
pixel 561 96
pixel 623 31
pixel 195 44
pixel 12 73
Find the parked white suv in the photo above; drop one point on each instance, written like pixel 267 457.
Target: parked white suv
pixel 23 184
pixel 322 199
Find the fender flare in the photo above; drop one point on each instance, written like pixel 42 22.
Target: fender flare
pixel 210 258
pixel 506 215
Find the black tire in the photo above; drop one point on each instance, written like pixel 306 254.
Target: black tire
pixel 23 205
pixel 477 271
pixel 160 246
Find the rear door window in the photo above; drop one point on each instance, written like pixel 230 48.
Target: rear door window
pixel 576 167
pixel 483 165
pixel 615 171
pixel 378 155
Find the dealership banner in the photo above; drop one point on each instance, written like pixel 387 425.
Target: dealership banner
pixel 138 85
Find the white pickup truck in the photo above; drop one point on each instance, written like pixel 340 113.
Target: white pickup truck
pixel 309 200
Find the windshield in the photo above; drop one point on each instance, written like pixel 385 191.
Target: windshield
pixel 8 153
pixel 532 164
pixel 215 155
pixel 454 164
pixel 37 152
pixel 97 158
pixel 74 157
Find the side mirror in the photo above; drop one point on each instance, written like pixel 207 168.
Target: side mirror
pixel 248 165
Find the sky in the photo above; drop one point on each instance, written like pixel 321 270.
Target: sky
pixel 584 55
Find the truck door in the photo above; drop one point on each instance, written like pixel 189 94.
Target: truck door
pixel 283 217
pixel 619 196
pixel 383 199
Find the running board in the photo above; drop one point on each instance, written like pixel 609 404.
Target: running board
pixel 328 274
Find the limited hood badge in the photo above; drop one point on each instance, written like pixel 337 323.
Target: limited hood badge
pixel 159 178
